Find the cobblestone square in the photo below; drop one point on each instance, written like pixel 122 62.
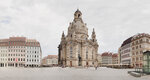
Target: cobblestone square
pixel 56 73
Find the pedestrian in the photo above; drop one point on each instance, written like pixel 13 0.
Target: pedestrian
pixel 95 67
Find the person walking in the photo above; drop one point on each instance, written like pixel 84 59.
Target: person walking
pixel 95 67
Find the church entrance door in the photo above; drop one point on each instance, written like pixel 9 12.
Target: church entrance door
pixel 87 63
pixel 79 60
pixel 70 63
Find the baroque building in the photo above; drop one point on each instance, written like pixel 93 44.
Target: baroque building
pixel 75 49
pixel 140 44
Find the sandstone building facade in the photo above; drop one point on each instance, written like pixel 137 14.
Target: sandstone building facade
pixel 140 44
pixel 106 58
pixel 115 58
pixel 131 51
pixel 50 60
pixel 75 48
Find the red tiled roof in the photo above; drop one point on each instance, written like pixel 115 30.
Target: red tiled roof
pixel 50 57
pixel 127 41
pixel 115 55
pixel 19 41
pixel 106 54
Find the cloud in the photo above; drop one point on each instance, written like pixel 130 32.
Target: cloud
pixel 44 20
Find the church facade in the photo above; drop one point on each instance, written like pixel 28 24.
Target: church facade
pixel 75 48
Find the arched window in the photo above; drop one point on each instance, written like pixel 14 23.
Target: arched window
pixel 78 49
pixel 92 54
pixel 86 53
pixel 147 40
pixel 71 54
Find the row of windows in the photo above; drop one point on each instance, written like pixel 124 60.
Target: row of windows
pixel 126 61
pixel 14 64
pixel 3 51
pixel 137 53
pixel 13 59
pixel 33 56
pixel 33 52
pixel 16 54
pixel 126 56
pixel 146 57
pixel 23 42
pixel 16 50
pixel 52 61
pixel 33 48
pixel 32 60
pixel 3 47
pixel 22 47
pixel 126 51
pixel 3 59
pixel 139 41
pixel 137 59
pixel 3 55
pixel 20 59
pixel 16 46
pixel 137 47
pixel 125 47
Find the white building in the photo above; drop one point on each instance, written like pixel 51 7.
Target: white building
pixel 126 52
pixel 33 53
pixel 15 51
pixel 3 53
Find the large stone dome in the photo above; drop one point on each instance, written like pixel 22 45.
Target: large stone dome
pixel 78 26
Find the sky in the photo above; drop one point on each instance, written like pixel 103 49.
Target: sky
pixel 45 20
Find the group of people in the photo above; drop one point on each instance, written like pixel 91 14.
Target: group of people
pixel 63 66
pixel 94 67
